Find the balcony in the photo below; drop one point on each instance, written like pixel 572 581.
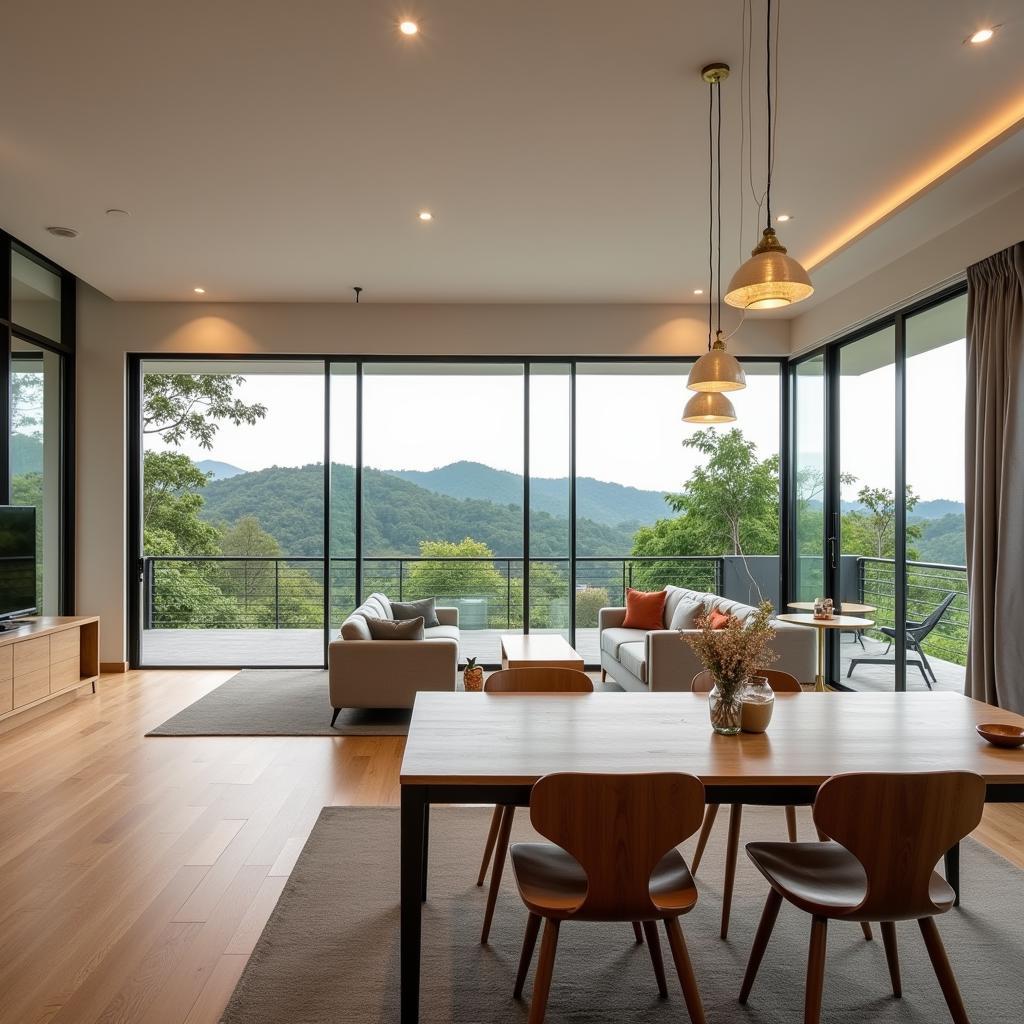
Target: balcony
pixel 269 611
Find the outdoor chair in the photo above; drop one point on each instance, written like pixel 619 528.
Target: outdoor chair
pixel 916 633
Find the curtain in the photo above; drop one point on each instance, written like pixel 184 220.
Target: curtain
pixel 995 478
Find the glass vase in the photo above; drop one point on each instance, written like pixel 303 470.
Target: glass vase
pixel 726 710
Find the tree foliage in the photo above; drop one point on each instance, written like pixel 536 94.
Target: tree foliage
pixel 178 406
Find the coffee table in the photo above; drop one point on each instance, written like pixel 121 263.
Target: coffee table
pixel 536 650
pixel 836 622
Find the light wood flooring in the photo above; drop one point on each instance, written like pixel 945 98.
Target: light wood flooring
pixel 136 874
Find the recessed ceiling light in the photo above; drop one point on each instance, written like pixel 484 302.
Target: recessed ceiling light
pixel 698 291
pixel 117 212
pixel 62 232
pixel 408 28
pixel 426 215
pixel 783 217
pixel 983 35
pixel 199 291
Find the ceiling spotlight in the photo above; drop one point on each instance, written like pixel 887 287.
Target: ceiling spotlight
pixel 783 217
pixel 408 28
pixel 426 215
pixel 698 291
pixel 62 232
pixel 117 213
pixel 199 291
pixel 983 35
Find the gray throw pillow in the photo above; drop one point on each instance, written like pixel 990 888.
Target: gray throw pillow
pixel 395 629
pixel 411 609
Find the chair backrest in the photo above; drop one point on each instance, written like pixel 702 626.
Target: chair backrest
pixel 543 679
pixel 781 682
pixel 932 621
pixel 898 826
pixel 618 826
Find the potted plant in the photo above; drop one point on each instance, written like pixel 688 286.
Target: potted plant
pixel 472 676
pixel 732 653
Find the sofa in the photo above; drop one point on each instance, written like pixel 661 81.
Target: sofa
pixel 660 659
pixel 368 673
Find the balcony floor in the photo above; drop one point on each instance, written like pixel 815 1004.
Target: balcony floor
pixel 256 647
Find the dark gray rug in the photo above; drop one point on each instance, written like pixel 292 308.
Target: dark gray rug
pixel 279 702
pixel 330 950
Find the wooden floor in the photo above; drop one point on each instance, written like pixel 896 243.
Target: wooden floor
pixel 136 874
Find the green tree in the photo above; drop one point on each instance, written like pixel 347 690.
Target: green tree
pixel 872 528
pixel 171 505
pixel 251 583
pixel 177 406
pixel 453 580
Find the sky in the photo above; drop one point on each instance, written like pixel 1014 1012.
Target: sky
pixel 629 427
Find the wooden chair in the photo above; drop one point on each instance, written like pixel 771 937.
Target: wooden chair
pixel 889 832
pixel 615 859
pixel 703 682
pixel 542 679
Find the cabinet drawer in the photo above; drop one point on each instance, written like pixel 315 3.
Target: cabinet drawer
pixel 30 686
pixel 65 644
pixel 6 662
pixel 31 655
pixel 64 673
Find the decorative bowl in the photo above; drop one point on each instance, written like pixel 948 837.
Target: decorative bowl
pixel 1000 735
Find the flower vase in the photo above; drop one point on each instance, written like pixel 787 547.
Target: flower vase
pixel 726 710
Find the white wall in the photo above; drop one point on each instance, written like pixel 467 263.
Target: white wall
pixel 108 331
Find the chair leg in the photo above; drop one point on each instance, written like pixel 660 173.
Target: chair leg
pixel 681 958
pixel 865 927
pixel 940 962
pixel 497 868
pixel 604 675
pixel 638 933
pixel 791 823
pixel 334 717
pixel 731 854
pixel 545 968
pixel 926 668
pixel 492 834
pixel 764 933
pixel 892 956
pixel 815 971
pixel 705 834
pixel 529 942
pixel 654 947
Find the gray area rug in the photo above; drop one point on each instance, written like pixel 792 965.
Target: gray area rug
pixel 279 702
pixel 330 951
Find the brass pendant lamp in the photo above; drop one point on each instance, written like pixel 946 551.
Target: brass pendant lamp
pixel 770 278
pixel 716 371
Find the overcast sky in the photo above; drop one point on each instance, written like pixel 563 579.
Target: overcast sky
pixel 629 426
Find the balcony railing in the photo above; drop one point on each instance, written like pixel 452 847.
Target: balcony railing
pixel 276 592
pixel 928 583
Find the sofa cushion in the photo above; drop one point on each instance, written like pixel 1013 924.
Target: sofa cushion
pixel 355 628
pixel 737 608
pixel 396 629
pixel 632 657
pixel 377 605
pixel 685 614
pixel 413 609
pixel 611 638
pixel 441 633
pixel 644 609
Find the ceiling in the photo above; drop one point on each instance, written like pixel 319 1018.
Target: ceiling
pixel 271 151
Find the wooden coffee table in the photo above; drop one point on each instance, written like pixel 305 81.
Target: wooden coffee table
pixel 535 650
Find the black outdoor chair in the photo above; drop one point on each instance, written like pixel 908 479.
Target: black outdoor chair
pixel 916 633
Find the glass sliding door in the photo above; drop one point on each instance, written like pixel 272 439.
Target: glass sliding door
pixel 232 506
pixel 35 447
pixel 808 528
pixel 344 385
pixel 442 501
pixel 938 615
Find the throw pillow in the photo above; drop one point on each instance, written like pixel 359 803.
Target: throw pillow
pixel 396 629
pixel 415 609
pixel 685 615
pixel 644 609
pixel 718 620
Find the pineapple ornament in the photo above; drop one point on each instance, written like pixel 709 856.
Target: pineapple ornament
pixel 472 677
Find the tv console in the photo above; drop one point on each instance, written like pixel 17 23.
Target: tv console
pixel 45 657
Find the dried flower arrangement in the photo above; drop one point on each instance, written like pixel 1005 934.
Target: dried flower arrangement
pixel 735 651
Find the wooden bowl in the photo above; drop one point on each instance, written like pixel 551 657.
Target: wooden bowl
pixel 1000 735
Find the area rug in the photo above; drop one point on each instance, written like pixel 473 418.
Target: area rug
pixel 330 950
pixel 279 702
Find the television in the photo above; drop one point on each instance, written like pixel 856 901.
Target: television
pixel 17 563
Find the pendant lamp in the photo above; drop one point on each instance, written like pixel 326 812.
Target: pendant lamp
pixel 770 278
pixel 716 371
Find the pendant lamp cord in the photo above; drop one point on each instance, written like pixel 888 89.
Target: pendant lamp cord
pixel 711 205
pixel 718 203
pixel 768 89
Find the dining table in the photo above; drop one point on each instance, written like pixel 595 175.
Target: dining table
pixel 481 748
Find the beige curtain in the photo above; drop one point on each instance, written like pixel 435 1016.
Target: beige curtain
pixel 995 478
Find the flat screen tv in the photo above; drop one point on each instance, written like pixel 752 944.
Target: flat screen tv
pixel 17 562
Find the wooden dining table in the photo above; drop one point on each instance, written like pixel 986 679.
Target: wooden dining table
pixel 479 748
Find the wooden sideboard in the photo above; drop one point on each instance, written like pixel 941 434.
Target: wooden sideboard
pixel 47 657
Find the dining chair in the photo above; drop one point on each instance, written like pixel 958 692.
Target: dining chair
pixel 614 859
pixel 542 679
pixel 889 831
pixel 704 682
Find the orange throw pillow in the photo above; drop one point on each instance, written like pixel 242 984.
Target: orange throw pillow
pixel 718 620
pixel 645 609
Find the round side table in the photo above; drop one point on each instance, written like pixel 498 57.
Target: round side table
pixel 836 622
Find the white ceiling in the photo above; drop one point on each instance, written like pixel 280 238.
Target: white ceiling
pixel 273 151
